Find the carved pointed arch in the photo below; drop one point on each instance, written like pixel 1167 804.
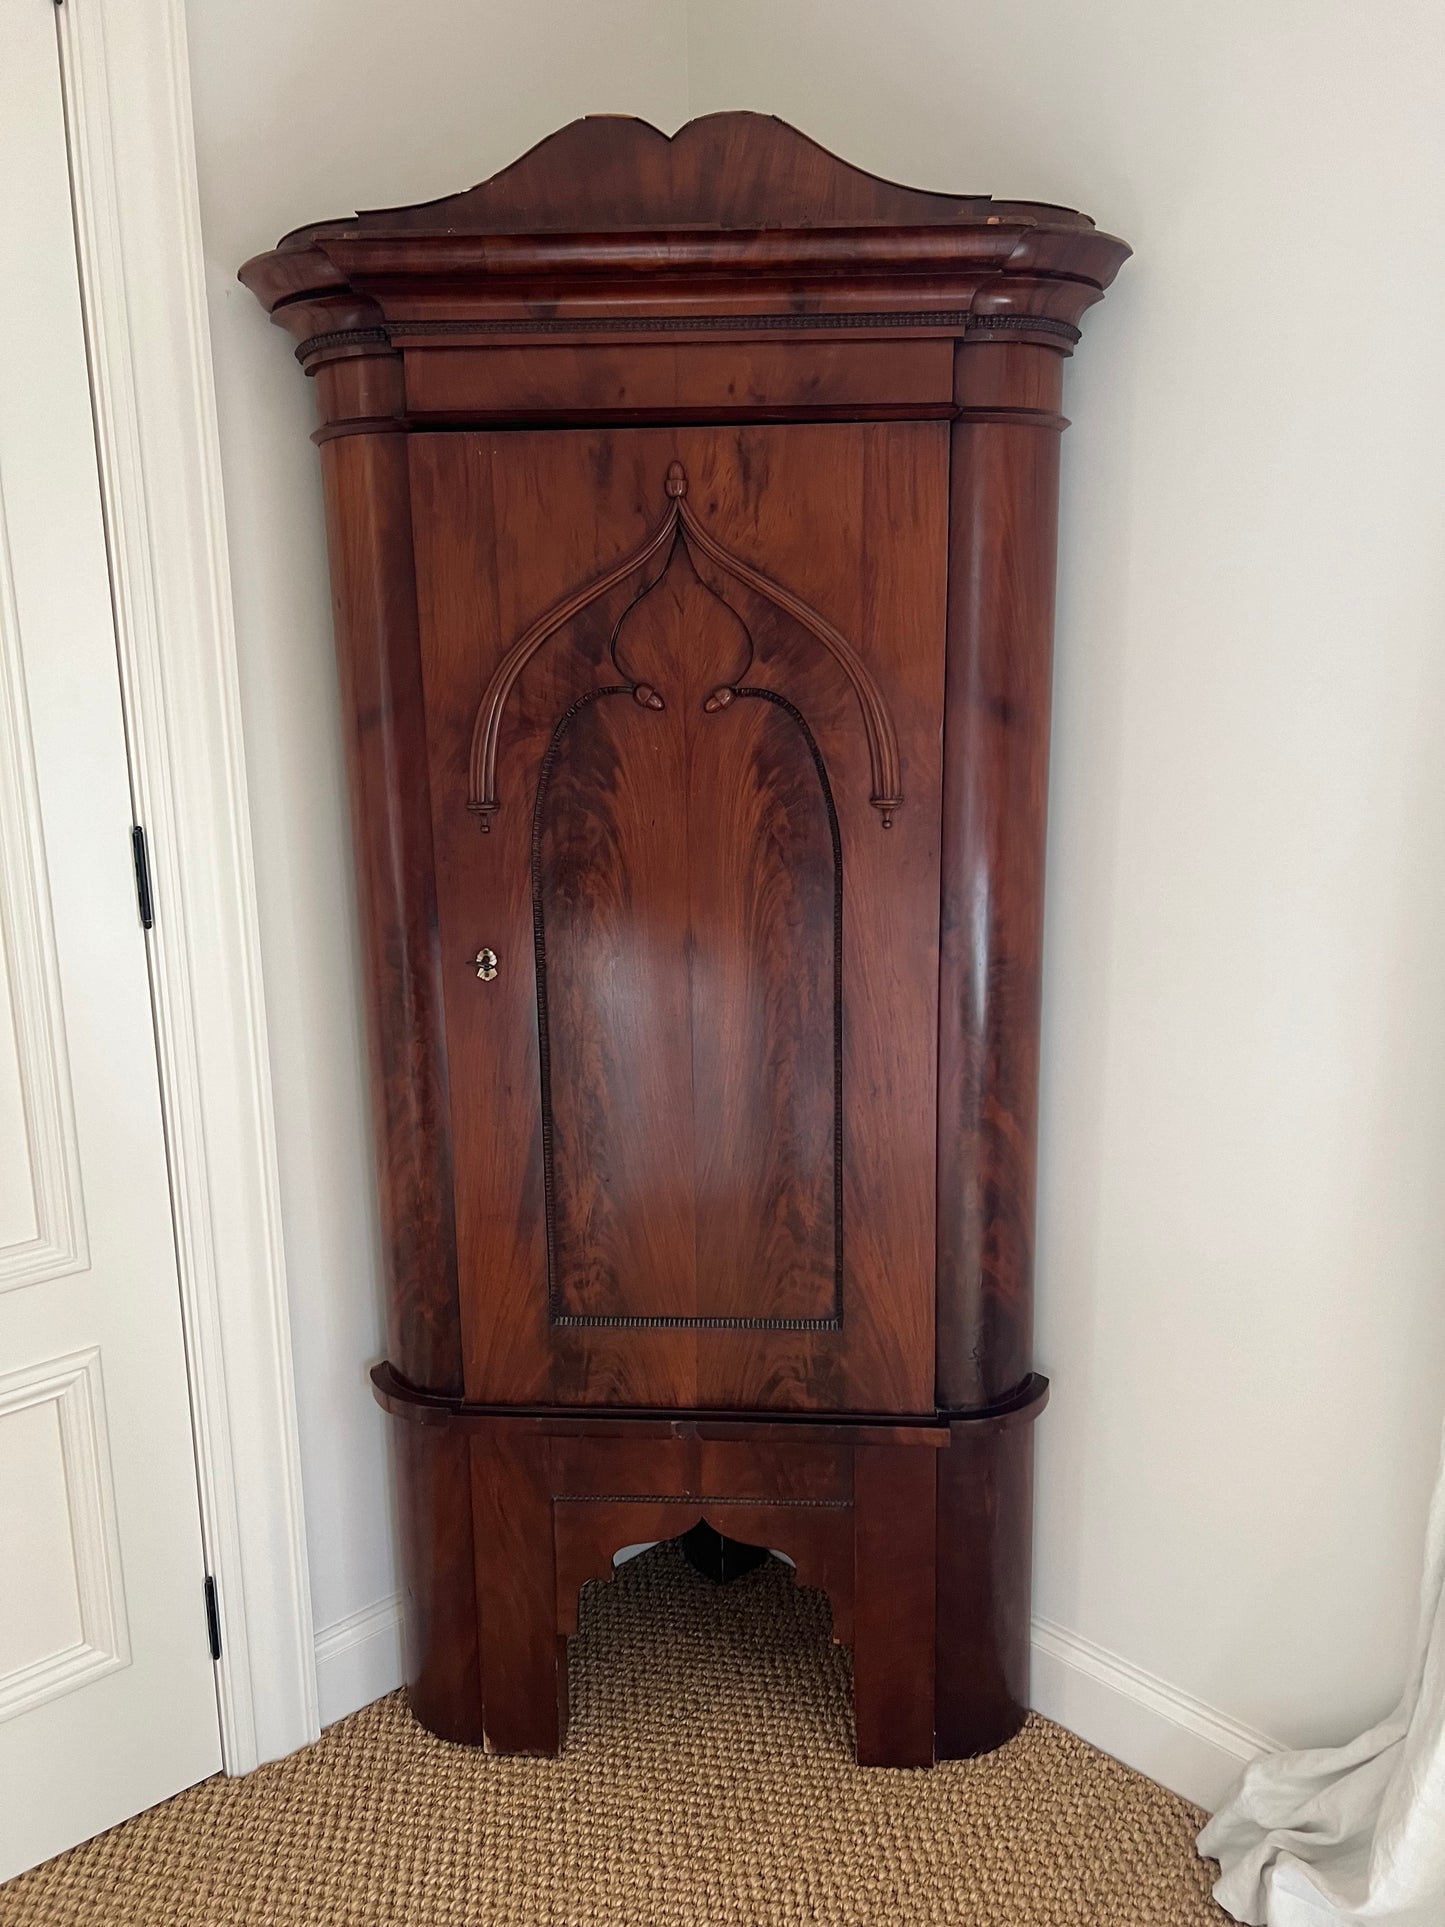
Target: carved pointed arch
pixel 679 520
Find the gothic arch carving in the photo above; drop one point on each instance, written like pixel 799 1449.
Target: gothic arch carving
pixel 680 523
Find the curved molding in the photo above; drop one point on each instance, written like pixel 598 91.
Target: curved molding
pixel 887 793
pixel 740 189
pixel 705 1499
pixel 679 519
pixel 1021 1407
pixel 482 799
pixel 957 321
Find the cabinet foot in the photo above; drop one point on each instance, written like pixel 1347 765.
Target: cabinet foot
pixel 985 1572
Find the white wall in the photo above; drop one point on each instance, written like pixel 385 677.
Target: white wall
pixel 1242 1240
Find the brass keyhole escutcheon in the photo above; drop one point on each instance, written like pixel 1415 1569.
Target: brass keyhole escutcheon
pixel 486 962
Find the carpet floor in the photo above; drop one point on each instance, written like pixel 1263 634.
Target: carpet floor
pixel 707 1782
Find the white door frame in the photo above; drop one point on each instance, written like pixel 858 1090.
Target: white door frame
pixel 127 90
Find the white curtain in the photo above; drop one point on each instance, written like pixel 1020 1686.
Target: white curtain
pixel 1350 1833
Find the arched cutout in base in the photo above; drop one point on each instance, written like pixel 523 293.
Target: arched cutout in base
pixel 816 1539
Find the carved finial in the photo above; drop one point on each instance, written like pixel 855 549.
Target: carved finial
pixel 677 480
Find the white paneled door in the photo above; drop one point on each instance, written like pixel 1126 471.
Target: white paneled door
pixel 107 1691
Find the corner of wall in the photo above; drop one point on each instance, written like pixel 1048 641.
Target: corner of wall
pixel 359 1659
pixel 1193 1749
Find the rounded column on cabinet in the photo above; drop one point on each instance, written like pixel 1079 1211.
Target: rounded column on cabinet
pixel 369 528
pixel 1003 510
pixel 1004 475
pixel 368 517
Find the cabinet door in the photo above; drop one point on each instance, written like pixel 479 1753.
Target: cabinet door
pixel 683 692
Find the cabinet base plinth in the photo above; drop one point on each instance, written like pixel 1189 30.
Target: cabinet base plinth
pixel 917 1530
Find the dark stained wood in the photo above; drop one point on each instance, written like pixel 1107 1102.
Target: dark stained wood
pixel 615 213
pixel 702 844
pixel 368 517
pixel 893 1604
pixel 691 504
pixel 686 1465
pixel 729 170
pixel 776 1060
pixel 551 1509
pixel 985 1564
pixel 1003 514
pixel 753 381
pixel 609 226
pixel 524 1658
pixel 434 1495
pixel 631 1422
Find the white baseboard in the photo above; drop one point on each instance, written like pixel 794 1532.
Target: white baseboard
pixel 358 1659
pixel 1192 1749
pixel 1186 1746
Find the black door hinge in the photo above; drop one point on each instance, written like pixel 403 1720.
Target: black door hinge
pixel 140 856
pixel 213 1617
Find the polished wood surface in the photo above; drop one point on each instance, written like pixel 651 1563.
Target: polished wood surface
pixel 724 171
pixel 984 1575
pixel 369 527
pixel 719 1189
pixel 1003 513
pixel 691 505
pixel 434 1509
pixel 610 232
pixel 549 1507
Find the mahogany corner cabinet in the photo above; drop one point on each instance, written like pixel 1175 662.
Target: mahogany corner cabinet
pixel 691 507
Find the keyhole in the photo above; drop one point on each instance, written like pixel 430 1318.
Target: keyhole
pixel 486 962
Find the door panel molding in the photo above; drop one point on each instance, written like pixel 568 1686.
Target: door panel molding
pixel 128 109
pixel 72 1384
pixel 58 1246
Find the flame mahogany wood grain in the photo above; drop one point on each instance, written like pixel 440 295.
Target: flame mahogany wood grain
pixel 507 525
pixel 819 413
pixel 740 1197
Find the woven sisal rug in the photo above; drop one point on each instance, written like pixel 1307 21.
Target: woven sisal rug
pixel 707 1782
